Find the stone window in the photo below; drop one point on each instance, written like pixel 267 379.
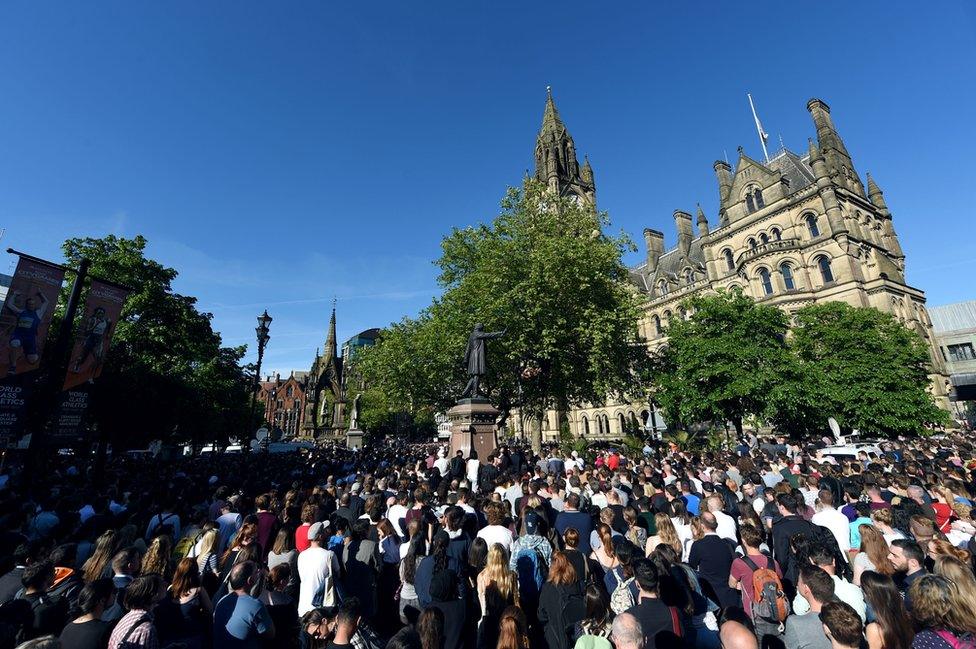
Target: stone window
pixel 621 422
pixel 658 330
pixel 812 226
pixel 764 238
pixel 754 199
pixel 689 276
pixel 729 262
pixel 752 243
pixel 787 274
pixel 776 234
pixel 826 274
pixel 662 287
pixel 766 281
pixel 586 426
pixel 962 352
pixel 758 198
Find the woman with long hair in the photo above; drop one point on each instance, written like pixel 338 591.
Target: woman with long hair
pixel 598 616
pixel 497 588
pixel 97 565
pixel 571 538
pixel 416 551
pixel 513 630
pixel 873 554
pixel 247 535
pixel 316 627
pixel 635 533
pixel 962 591
pixel 884 521
pixel 890 627
pixel 192 602
pixel 554 612
pixel 681 520
pixel 747 514
pixel 666 534
pixel 941 548
pixel 89 631
pixel 283 553
pixel 604 554
pixel 619 582
pixel 931 597
pixel 430 628
pixel 159 557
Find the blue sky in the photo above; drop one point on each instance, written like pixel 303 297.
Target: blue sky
pixel 281 153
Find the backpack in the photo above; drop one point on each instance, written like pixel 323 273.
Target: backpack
pixel 769 602
pixel 622 599
pixel 185 545
pixel 531 569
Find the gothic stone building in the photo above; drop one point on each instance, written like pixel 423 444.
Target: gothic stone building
pixel 798 229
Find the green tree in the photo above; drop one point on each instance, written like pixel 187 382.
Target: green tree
pixel 166 374
pixel 864 368
pixel 544 271
pixel 724 362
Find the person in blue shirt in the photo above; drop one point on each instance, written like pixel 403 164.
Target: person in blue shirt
pixel 692 500
pixel 241 621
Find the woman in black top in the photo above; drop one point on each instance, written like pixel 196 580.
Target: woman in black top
pixel 561 603
pixel 576 558
pixel 89 631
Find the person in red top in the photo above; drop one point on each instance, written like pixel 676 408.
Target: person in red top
pixel 613 461
pixel 301 534
pixel 740 576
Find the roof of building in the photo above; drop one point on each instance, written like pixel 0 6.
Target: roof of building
pixel 953 317
pixel 795 169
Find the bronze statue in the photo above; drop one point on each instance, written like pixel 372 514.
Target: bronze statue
pixel 474 358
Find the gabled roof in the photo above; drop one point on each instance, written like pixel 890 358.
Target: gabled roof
pixel 795 169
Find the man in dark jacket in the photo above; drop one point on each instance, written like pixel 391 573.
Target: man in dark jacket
pixel 783 530
pixel 571 516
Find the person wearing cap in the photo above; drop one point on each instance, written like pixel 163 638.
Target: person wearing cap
pixel 531 540
pixel 318 571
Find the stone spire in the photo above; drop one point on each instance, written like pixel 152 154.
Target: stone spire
pixel 587 172
pixel 331 349
pixel 876 196
pixel 702 222
pixel 556 163
pixel 839 161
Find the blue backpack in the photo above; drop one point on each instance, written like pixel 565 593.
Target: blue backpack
pixel 531 569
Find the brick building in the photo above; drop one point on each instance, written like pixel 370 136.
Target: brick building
pixel 284 402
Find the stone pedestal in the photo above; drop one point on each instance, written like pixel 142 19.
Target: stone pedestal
pixel 473 427
pixel 354 439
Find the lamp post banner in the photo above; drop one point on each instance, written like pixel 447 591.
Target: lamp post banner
pixel 24 322
pixel 103 306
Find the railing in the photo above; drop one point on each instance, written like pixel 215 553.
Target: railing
pixel 766 248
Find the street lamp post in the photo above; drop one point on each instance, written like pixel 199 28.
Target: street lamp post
pixel 264 325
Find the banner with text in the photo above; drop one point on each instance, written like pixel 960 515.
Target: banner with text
pixel 102 310
pixel 24 321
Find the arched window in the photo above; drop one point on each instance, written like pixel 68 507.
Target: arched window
pixel 764 238
pixel 758 199
pixel 826 274
pixel 752 243
pixel 658 330
pixel 750 205
pixel 586 426
pixel 729 263
pixel 662 287
pixel 766 281
pixel 777 235
pixel 622 423
pixel 812 226
pixel 787 274
pixel 689 276
pixel 606 424
pixel 667 318
pixel 682 313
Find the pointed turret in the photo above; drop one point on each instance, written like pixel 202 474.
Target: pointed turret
pixel 556 163
pixel 876 196
pixel 587 172
pixel 702 222
pixel 826 189
pixel 835 154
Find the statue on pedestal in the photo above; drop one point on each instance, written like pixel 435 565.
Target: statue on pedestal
pixel 476 361
pixel 354 414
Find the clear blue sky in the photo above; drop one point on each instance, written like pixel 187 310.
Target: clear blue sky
pixel 280 153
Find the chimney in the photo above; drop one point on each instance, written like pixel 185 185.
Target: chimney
pixel 682 221
pixel 723 172
pixel 655 247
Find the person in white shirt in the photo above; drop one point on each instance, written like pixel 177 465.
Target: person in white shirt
pixel 726 524
pixel 441 462
pixel 844 590
pixel 495 531
pixel 472 468
pixel 318 571
pixel 833 520
pixel 398 512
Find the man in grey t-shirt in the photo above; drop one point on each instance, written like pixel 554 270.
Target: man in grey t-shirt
pixel 806 631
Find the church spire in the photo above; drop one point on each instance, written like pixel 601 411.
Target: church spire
pixel 556 163
pixel 331 350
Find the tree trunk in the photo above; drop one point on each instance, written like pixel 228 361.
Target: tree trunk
pixel 737 422
pixel 537 434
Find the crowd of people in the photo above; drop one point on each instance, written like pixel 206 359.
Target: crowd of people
pixel 407 546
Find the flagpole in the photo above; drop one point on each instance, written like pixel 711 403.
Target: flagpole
pixel 759 129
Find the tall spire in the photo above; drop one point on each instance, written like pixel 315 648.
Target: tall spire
pixel 331 350
pixel 838 160
pixel 556 163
